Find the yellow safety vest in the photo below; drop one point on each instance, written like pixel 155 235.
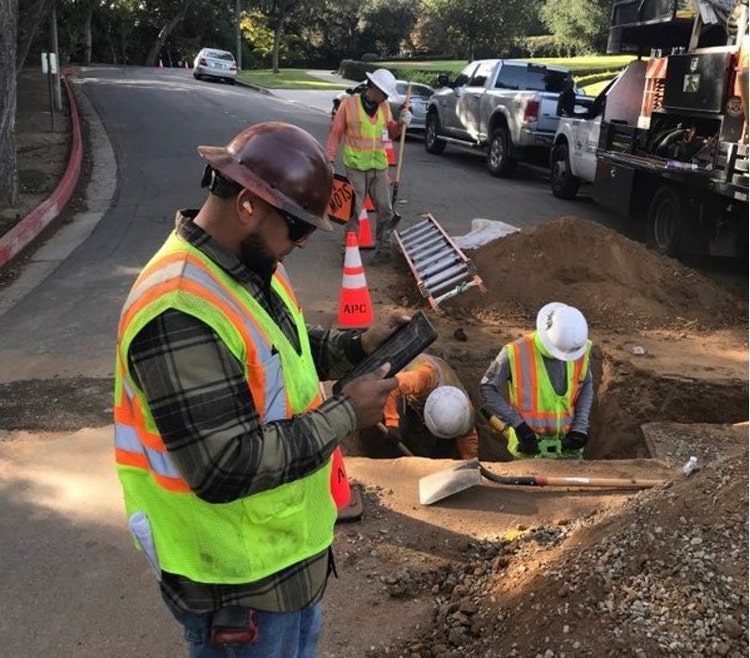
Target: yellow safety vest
pixel 548 414
pixel 248 539
pixel 363 139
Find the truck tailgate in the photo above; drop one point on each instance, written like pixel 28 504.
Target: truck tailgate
pixel 548 118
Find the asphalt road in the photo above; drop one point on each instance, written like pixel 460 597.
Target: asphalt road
pixel 154 119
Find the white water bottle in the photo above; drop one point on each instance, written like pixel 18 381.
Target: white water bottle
pixel 690 465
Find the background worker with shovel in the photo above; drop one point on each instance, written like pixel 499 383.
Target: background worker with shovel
pixel 361 121
pixel 541 386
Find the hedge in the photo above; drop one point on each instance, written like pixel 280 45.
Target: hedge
pixel 356 69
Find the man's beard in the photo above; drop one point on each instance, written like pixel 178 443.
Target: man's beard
pixel 256 256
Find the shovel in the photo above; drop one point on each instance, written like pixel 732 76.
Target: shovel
pixel 447 482
pixel 396 217
pixel 465 475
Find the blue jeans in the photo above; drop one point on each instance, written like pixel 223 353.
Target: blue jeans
pixel 280 635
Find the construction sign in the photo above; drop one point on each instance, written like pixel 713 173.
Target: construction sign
pixel 341 205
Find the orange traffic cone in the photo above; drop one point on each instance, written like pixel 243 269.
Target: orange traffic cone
pixel 355 306
pixel 365 239
pixel 389 153
pixel 369 205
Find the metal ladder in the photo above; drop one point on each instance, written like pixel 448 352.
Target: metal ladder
pixel 437 263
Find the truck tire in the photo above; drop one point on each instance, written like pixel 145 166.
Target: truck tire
pixel 499 162
pixel 666 222
pixel 432 141
pixel 563 183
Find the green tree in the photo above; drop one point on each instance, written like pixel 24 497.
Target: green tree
pixel 389 23
pixel 579 26
pixel 481 27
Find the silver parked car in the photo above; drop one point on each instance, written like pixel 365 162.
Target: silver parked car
pixel 213 63
pixel 420 95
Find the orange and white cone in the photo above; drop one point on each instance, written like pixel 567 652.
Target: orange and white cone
pixel 369 205
pixel 355 305
pixel 389 152
pixel 365 239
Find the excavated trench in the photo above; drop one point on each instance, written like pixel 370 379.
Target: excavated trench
pixel 626 398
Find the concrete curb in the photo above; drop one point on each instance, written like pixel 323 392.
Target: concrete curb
pixel 19 237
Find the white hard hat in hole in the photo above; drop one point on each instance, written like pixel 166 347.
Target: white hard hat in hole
pixel 384 80
pixel 563 331
pixel 448 412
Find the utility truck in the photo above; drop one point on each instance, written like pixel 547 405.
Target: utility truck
pixel 666 141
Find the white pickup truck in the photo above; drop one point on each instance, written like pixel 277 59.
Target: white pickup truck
pixel 509 107
pixel 573 159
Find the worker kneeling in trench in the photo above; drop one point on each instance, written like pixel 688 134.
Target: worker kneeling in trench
pixel 429 413
pixel 541 386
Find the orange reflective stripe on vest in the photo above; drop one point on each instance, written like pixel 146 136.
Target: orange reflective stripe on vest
pixel 531 391
pixel 363 140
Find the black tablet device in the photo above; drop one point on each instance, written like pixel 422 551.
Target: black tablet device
pixel 398 349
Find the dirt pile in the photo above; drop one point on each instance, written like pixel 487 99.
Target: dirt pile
pixel 616 282
pixel 664 575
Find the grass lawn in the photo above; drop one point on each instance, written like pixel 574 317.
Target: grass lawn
pixel 603 62
pixel 287 79
pixel 299 79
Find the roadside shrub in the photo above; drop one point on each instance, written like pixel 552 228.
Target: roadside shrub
pixel 353 69
pixel 370 57
pixel 593 78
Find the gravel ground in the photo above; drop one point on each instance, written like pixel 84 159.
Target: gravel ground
pixel 666 575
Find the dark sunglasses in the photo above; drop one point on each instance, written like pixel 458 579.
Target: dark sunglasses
pixel 298 228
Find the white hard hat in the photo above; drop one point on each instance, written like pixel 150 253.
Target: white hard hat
pixel 563 331
pixel 448 412
pixel 384 80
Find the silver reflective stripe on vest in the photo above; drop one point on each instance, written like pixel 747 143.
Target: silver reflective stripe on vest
pixel 126 438
pixel 160 275
pixel 274 405
pixel 526 364
pixel 354 136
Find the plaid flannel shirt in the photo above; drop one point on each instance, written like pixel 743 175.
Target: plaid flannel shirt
pixel 201 403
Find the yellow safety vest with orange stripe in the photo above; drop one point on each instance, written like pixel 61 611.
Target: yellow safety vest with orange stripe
pixel 363 140
pixel 548 414
pixel 248 539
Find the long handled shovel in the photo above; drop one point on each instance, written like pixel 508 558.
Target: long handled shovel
pixel 447 482
pixel 396 217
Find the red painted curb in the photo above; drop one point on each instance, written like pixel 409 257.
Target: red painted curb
pixel 15 240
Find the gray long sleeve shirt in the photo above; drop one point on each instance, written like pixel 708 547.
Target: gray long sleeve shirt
pixel 493 390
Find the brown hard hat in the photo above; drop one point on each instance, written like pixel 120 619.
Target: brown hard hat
pixel 281 163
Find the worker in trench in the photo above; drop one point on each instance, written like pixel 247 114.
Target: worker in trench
pixel 541 387
pixel 428 414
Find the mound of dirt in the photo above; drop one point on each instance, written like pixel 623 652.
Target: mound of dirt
pixel 617 283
